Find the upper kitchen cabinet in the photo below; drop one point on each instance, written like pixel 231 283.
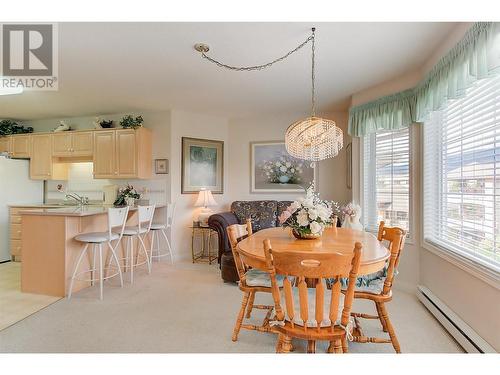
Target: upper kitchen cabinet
pixel 72 144
pixel 123 153
pixel 4 144
pixel 42 166
pixel 20 146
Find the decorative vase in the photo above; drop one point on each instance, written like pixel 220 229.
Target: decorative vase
pixel 352 222
pixel 284 179
pixel 306 236
pixel 130 201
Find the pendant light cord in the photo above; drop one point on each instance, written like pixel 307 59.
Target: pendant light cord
pixel 313 88
pixel 263 66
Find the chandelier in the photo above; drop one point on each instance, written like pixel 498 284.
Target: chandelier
pixel 313 138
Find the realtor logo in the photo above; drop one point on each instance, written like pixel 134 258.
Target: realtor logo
pixel 29 56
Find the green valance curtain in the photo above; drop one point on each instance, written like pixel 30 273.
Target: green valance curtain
pixel 475 57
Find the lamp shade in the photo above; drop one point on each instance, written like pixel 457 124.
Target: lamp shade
pixel 205 199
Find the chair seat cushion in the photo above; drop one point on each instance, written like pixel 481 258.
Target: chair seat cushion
pixel 132 231
pixel 255 277
pixel 158 226
pixel 96 237
pixel 311 301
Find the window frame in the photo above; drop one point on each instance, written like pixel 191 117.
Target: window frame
pixel 412 138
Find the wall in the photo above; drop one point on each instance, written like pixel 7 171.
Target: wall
pixel 473 299
pixel 186 124
pixel 331 172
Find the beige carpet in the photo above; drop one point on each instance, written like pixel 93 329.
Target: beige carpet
pixel 187 308
pixel 14 305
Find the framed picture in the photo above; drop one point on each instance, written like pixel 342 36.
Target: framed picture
pixel 161 166
pixel 202 165
pixel 273 170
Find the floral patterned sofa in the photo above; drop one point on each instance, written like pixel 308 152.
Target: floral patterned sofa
pixel 264 214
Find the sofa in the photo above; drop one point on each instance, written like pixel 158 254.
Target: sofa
pixel 264 214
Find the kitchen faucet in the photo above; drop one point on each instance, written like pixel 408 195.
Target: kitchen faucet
pixel 80 199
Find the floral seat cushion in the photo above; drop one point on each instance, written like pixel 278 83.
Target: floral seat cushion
pixel 255 277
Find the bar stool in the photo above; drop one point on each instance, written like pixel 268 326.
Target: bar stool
pixel 161 228
pixel 140 231
pixel 116 218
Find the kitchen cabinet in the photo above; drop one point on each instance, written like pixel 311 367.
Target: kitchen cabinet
pixel 20 146
pixel 122 153
pixel 4 144
pixel 72 144
pixel 42 166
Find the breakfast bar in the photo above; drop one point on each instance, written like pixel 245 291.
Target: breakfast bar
pixel 50 250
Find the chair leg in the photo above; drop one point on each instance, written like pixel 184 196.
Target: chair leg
pixel 75 271
pixel 287 344
pixel 152 247
pixel 337 346
pixel 100 273
pixel 390 328
pixel 93 267
pixel 331 347
pixel 131 259
pixel 239 319
pixel 311 346
pixel 143 247
pixel 250 304
pixel 279 343
pixel 168 245
pixel 113 256
pixel 345 347
pixel 382 321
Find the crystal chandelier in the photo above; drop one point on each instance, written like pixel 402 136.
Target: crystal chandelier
pixel 313 138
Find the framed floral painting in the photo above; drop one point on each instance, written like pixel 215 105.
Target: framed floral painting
pixel 273 170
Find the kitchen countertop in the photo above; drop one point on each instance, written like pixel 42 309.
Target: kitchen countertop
pixel 78 211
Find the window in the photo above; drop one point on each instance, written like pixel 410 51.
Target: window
pixel 386 170
pixel 462 175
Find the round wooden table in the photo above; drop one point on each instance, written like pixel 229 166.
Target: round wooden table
pixel 334 240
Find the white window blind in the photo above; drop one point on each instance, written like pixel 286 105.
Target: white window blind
pixel 462 175
pixel 386 179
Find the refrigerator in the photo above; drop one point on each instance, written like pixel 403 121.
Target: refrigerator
pixel 16 188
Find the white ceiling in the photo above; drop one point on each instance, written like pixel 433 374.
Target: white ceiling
pixel 125 67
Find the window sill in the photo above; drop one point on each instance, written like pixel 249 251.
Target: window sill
pixel 475 269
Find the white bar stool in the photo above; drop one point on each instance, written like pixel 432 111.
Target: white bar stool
pixel 116 218
pixel 140 231
pixel 161 228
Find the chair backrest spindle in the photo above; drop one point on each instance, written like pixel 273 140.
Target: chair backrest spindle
pixel 236 233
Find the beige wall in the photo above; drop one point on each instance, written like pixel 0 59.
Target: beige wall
pixel 331 173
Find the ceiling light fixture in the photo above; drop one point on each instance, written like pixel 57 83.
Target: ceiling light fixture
pixel 313 138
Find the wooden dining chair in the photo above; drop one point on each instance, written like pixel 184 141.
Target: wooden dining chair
pixel 312 314
pixel 251 281
pixel 380 291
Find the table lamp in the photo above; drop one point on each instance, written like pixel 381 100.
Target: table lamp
pixel 205 200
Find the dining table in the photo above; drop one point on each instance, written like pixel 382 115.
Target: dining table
pixel 333 240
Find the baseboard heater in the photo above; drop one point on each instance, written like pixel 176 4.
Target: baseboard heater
pixel 461 331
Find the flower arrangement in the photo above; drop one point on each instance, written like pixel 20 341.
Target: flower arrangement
pixel 308 216
pixel 126 196
pixel 130 122
pixel 351 210
pixel 282 170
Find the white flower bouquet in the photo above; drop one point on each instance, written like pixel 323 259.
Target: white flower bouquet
pixel 308 216
pixel 282 170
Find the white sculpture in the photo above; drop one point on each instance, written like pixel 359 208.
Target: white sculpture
pixel 97 123
pixel 352 214
pixel 62 127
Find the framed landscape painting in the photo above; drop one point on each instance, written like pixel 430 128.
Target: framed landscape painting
pixel 273 170
pixel 202 165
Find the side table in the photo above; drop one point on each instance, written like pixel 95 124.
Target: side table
pixel 205 253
